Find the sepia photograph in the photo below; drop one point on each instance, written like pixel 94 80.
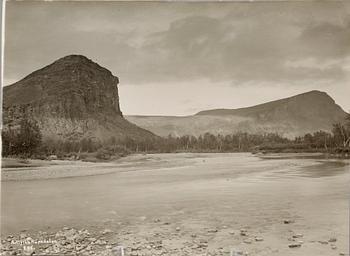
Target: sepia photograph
pixel 180 128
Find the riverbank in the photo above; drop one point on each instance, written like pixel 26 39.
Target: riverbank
pixel 32 169
pixel 15 169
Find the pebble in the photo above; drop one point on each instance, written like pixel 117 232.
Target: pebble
pixel 332 240
pixel 259 239
pixel 106 231
pixel 202 245
pixel 287 221
pixel 178 229
pixel 323 242
pixel 294 245
pixel 248 241
pixel 243 232
pixel 333 246
pixel 298 235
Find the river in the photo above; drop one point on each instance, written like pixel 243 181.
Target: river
pixel 192 191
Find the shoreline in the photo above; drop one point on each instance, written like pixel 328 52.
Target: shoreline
pixel 17 169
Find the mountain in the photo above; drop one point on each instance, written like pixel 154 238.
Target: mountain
pixel 290 117
pixel 71 99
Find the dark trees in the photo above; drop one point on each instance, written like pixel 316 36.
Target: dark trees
pixel 23 140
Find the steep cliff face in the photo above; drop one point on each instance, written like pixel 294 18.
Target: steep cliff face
pixel 71 98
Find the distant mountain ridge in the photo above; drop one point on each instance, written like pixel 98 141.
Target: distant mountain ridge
pixel 311 99
pixel 290 117
pixel 71 99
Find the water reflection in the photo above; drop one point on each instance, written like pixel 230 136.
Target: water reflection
pixel 324 169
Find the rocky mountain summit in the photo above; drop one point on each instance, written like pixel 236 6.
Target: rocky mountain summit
pixel 72 98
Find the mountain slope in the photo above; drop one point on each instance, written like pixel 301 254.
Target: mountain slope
pixel 71 99
pixel 293 116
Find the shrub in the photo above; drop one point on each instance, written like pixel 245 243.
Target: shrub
pixel 22 141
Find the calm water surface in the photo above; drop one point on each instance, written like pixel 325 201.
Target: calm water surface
pixel 197 183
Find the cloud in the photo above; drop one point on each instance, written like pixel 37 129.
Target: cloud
pixel 327 40
pixel 256 50
pixel 143 43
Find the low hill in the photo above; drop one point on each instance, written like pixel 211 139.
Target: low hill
pixel 290 117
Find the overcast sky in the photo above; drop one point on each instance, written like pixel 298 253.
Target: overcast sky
pixel 180 58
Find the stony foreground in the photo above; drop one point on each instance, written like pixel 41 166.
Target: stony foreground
pixel 172 241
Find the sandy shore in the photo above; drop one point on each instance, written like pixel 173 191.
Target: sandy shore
pixel 19 170
pixel 182 204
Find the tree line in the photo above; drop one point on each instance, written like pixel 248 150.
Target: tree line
pixel 26 141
